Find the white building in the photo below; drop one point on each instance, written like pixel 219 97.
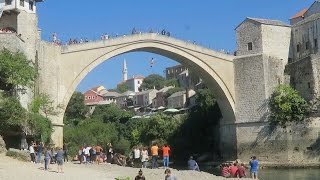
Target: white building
pixel 18 5
pixel 134 83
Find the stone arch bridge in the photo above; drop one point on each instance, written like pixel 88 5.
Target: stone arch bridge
pixel 61 69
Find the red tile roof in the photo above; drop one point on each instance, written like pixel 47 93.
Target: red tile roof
pixel 299 14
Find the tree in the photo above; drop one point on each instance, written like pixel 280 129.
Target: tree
pixel 43 104
pixel 111 113
pixel 76 108
pixel 286 105
pixel 15 70
pixel 122 87
pixel 153 81
pixel 205 99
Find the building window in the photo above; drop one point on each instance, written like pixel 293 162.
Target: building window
pixel 307 45
pixel 8 2
pixel 250 46
pixel 309 85
pixel 31 5
pixel 22 3
pixel 298 47
pixel 315 43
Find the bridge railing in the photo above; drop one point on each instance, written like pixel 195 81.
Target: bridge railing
pixel 187 43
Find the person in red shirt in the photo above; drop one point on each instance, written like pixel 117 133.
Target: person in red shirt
pixel 233 170
pixel 165 153
pixel 241 173
pixel 225 170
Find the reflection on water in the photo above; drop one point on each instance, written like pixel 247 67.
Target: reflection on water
pixel 273 174
pixel 289 174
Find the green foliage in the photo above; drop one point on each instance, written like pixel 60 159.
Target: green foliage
pixel 162 127
pixel 111 113
pixel 43 104
pixel 205 99
pixel 76 109
pixel 123 178
pixel 122 87
pixel 12 113
pixel 122 146
pixel 90 132
pixel 172 91
pixel 153 81
pixel 172 82
pixel 15 70
pixel 286 105
pixel 20 155
pixel 41 127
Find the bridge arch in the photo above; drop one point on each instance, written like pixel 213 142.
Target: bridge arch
pixel 216 69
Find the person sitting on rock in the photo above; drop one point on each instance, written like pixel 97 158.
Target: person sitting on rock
pixel 140 176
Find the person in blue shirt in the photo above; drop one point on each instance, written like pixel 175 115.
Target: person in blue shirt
pixel 192 164
pixel 254 163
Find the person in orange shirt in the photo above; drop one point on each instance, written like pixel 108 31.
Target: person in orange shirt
pixel 154 154
pixel 165 153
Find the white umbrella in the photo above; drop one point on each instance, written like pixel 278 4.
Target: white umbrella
pixel 171 110
pixel 136 117
pixel 161 107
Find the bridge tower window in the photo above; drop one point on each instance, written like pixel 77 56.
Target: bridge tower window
pixel 298 47
pixel 250 46
pixel 31 5
pixel 8 2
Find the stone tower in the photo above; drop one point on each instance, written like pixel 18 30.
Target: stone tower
pixel 19 20
pixel 262 53
pixel 124 71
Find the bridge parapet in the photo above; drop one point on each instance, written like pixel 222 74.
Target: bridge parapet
pixel 145 37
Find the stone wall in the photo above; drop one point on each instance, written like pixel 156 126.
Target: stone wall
pixel 295 145
pixel 249 31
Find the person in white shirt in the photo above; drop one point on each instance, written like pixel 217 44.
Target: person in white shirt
pixel 136 156
pixel 87 153
pixel 32 155
pixel 144 157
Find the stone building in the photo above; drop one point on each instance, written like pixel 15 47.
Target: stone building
pixel 262 53
pixel 179 99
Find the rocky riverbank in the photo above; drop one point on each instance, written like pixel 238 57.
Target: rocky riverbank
pixel 12 169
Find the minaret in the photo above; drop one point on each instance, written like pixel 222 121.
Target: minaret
pixel 125 71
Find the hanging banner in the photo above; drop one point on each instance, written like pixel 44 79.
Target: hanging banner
pixel 1 7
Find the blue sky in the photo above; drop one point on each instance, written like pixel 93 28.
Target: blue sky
pixel 210 23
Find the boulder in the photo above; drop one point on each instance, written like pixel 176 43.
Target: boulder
pixel 2 146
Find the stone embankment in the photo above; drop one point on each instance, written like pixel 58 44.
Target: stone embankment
pixel 12 169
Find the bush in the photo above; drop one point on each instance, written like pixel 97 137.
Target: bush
pixel 123 178
pixel 122 146
pixel 286 105
pixel 20 155
pixel 2 145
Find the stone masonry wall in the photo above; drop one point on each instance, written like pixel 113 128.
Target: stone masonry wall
pixel 249 31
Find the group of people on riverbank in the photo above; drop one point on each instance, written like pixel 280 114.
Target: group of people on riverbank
pixel 167 172
pixel 51 155
pixel 238 170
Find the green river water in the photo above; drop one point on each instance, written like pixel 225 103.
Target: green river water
pixel 283 174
